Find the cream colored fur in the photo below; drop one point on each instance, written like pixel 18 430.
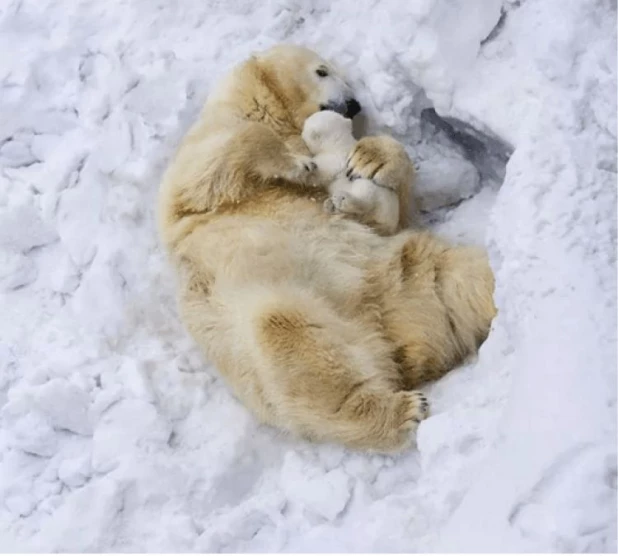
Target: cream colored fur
pixel 328 136
pixel 320 326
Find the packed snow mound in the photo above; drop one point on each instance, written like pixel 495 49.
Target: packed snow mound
pixel 116 435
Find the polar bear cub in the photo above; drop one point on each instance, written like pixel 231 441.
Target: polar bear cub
pixel 328 136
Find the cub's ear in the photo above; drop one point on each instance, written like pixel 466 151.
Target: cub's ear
pixel 315 135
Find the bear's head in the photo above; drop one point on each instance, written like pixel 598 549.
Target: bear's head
pixel 327 131
pixel 304 83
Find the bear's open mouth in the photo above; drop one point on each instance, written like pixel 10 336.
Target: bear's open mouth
pixel 348 109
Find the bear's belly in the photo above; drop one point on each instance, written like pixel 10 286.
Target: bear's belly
pixel 328 257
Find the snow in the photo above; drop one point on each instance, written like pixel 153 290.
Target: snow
pixel 116 436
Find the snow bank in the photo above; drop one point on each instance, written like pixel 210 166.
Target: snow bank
pixel 116 436
pixel 550 484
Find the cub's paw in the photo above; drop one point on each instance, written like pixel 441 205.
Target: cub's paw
pixel 381 159
pixel 329 206
pixel 346 204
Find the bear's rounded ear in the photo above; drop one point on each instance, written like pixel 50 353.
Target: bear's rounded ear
pixel 315 135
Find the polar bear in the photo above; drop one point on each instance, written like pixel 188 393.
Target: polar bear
pixel 328 135
pixel 320 326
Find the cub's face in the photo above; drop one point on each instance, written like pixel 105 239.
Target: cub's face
pixel 307 82
pixel 326 130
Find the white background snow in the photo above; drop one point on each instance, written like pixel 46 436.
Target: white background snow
pixel 116 435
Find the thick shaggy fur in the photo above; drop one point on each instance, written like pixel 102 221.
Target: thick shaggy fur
pixel 320 326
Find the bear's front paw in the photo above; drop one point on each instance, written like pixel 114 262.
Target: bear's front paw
pixel 307 164
pixel 304 170
pixel 382 160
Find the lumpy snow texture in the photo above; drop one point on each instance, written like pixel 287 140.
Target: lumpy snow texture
pixel 117 436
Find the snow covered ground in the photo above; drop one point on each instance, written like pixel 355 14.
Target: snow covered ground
pixel 116 436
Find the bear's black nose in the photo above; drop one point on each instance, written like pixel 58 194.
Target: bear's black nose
pixel 352 107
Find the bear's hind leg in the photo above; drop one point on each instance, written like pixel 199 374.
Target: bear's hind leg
pixel 330 381
pixel 466 286
pixel 439 306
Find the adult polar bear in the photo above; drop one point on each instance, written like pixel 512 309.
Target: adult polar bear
pixel 320 326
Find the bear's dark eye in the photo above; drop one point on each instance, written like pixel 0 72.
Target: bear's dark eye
pixel 322 72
